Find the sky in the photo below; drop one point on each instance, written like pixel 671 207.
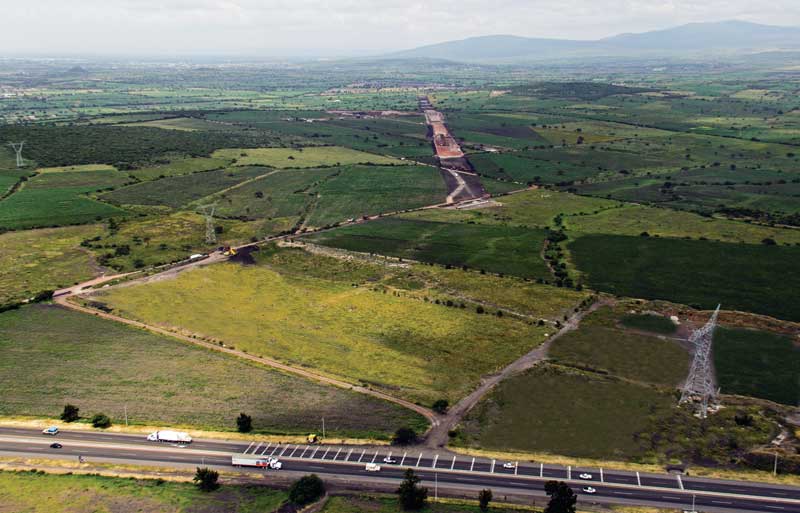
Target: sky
pixel 336 28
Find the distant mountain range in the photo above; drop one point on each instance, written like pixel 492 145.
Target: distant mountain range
pixel 692 40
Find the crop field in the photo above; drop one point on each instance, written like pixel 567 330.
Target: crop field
pixel 57 196
pixel 179 166
pixel 754 278
pixel 649 322
pixel 602 346
pixel 757 363
pixel 357 332
pixel 494 248
pixel 33 261
pixel 514 416
pixel 37 492
pixel 313 156
pixel 44 348
pixel 664 222
pixel 179 190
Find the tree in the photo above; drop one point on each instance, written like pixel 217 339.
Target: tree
pixel 307 489
pixel 412 496
pixel 484 498
pixel 440 406
pixel 562 498
pixel 404 436
pixel 206 479
pixel 244 423
pixel 70 413
pixel 101 420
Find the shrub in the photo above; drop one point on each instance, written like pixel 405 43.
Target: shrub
pixel 206 479
pixel 307 489
pixel 101 420
pixel 70 413
pixel 404 436
pixel 244 423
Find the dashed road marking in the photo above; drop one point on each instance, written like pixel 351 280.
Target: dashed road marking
pixel 314 453
pixel 680 483
pixel 472 465
pixel 266 449
pixel 638 479
pixel 362 455
pixel 404 458
pixel 435 459
pixel 419 459
pixel 248 448
pixel 453 465
pixel 493 462
pixel 337 454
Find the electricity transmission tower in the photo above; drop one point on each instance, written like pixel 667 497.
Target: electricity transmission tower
pixel 699 386
pixel 208 212
pixel 18 149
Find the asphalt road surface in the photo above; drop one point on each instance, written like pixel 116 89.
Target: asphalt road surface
pixel 451 471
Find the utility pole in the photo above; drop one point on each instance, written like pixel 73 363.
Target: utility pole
pixel 18 150
pixel 126 414
pixel 323 428
pixel 775 466
pixel 699 386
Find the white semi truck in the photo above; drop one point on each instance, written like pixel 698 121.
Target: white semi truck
pixel 243 460
pixel 178 437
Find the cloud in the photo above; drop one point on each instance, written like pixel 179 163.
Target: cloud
pixel 273 27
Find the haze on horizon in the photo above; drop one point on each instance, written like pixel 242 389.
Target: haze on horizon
pixel 308 28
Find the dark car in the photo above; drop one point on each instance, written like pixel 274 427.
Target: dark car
pixel 56 445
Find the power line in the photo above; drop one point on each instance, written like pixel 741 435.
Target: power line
pixel 18 149
pixel 699 388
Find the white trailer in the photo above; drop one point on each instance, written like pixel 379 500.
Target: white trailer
pixel 243 460
pixel 170 436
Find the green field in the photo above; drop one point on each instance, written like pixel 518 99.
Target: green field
pixel 37 492
pixel 180 166
pixel 36 260
pixel 560 411
pixel 649 322
pixel 56 198
pixel 757 363
pixel 314 156
pixel 50 356
pixel 500 249
pixel 754 278
pixel 347 326
pixel 603 347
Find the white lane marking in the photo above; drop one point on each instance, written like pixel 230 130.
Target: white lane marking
pixel 326 452
pixel 680 483
pixel 404 458
pixel 307 447
pixel 601 476
pixel 266 449
pixel 374 456
pixel 492 470
pixel 284 450
pixel 348 455
pixel 721 502
pixel 314 453
pixel 775 507
pixel 295 450
pixel 569 473
pixel 248 448
pixel 435 459
pixel 453 465
pixel 419 459
pixel 638 479
pixel 670 497
pixel 275 449
pixel 472 465
pixel 516 467
pixel 257 447
pixel 337 454
pixel 362 455
pixel 621 493
pixel 129 454
pixel 541 469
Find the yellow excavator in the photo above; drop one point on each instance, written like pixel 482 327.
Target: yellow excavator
pixel 229 251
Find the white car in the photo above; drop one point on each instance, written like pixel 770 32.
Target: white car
pixel 389 460
pixel 585 476
pixel 52 431
pixel 510 464
pixel 372 467
pixel 589 490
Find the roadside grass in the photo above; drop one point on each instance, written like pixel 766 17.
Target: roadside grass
pixel 561 411
pixel 50 356
pixel 390 504
pixel 179 166
pixel 177 191
pixel 313 156
pixel 38 492
pixel 32 261
pixel 758 364
pixel 610 350
pixel 59 198
pixel 649 322
pixel 536 207
pixel 697 273
pixel 664 222
pixel 494 248
pixel 352 330
pixel 156 240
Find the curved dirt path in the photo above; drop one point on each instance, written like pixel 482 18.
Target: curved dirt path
pixel 438 435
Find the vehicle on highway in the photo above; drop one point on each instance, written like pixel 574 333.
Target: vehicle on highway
pixel 372 467
pixel 254 461
pixel 389 460
pixel 56 445
pixel 509 464
pixel 52 431
pixel 170 436
pixel 589 490
pixel 585 476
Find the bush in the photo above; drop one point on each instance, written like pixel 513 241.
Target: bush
pixel 206 479
pixel 440 406
pixel 101 420
pixel 307 489
pixel 412 496
pixel 244 423
pixel 70 413
pixel 404 436
pixel 484 498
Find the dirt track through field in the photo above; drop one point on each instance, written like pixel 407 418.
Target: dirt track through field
pixel 438 436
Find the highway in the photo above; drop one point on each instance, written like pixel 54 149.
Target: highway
pixel 451 471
